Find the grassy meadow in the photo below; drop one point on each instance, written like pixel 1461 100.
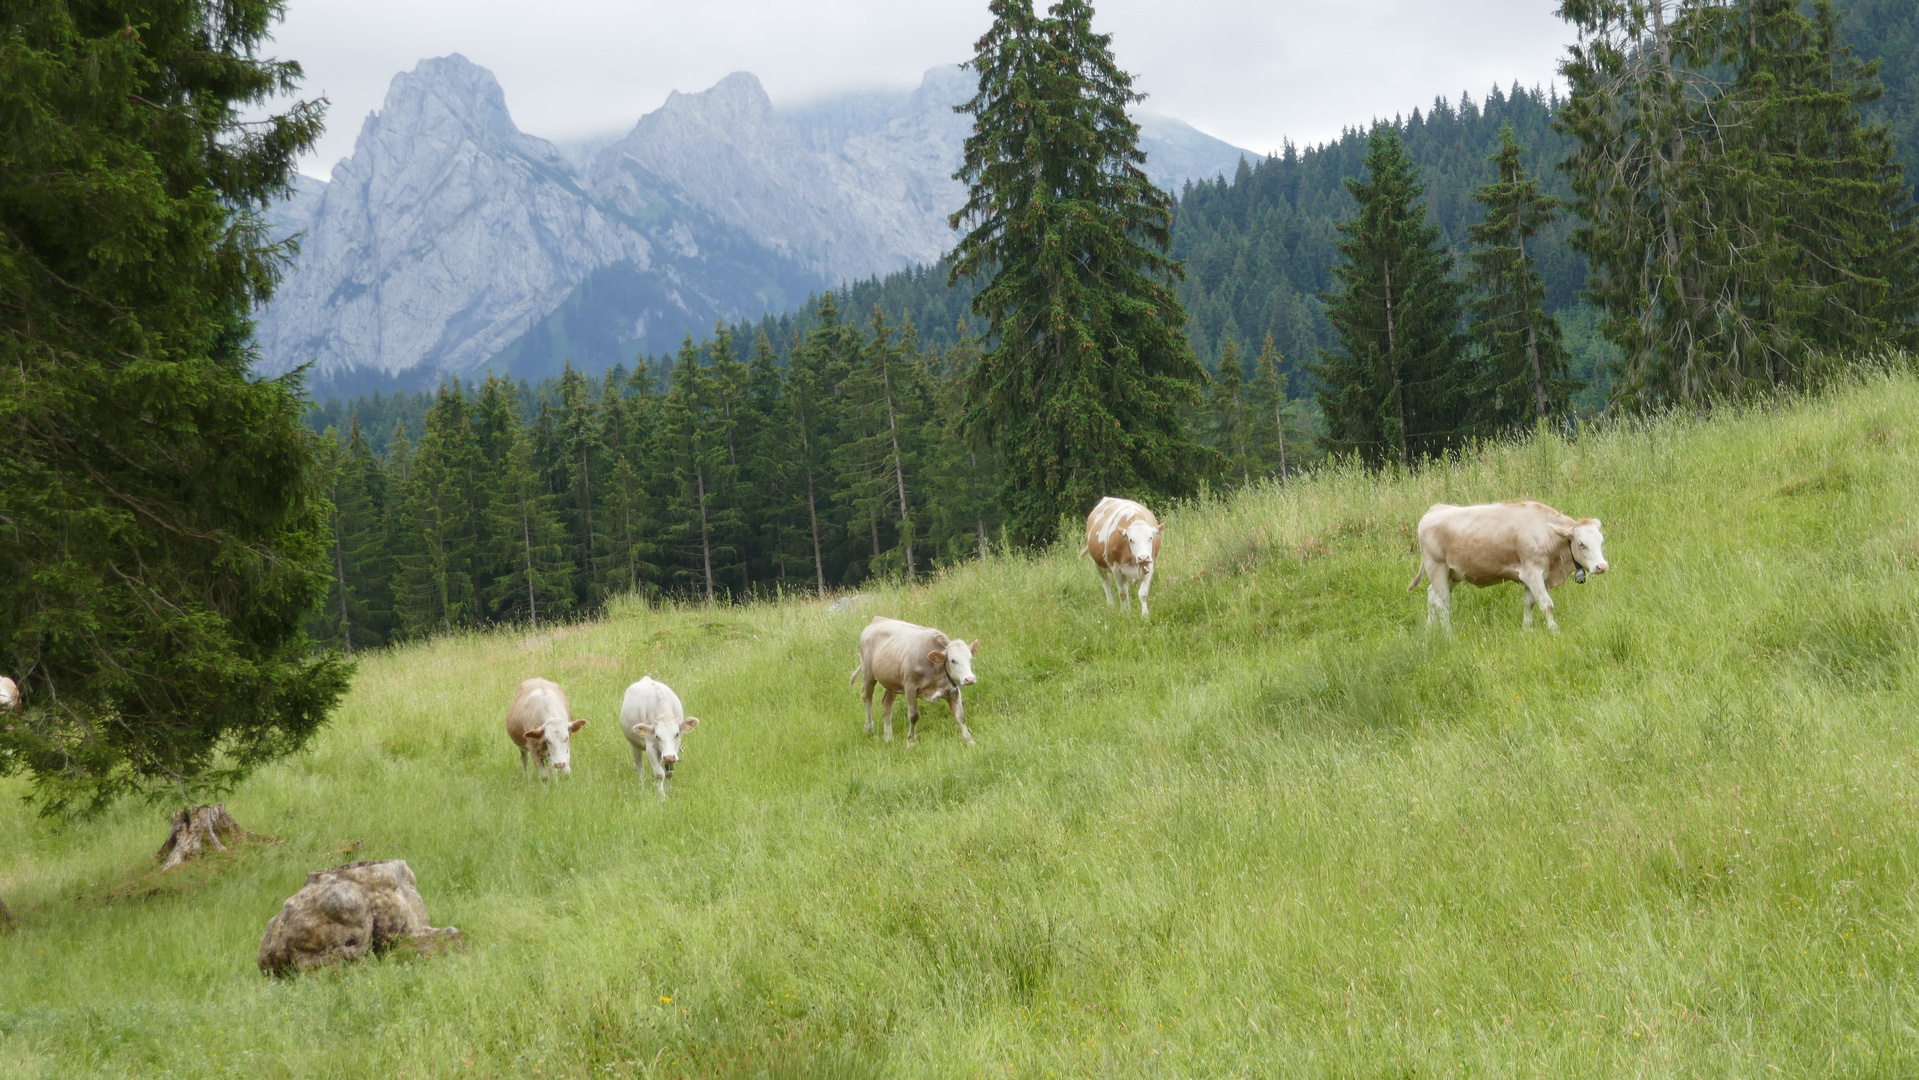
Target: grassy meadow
pixel 1277 831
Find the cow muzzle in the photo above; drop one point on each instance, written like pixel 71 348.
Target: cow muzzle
pixel 970 680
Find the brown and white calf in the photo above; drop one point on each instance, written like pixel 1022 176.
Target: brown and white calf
pixel 1527 542
pixel 918 662
pixel 654 721
pixel 9 695
pixel 1123 538
pixel 541 724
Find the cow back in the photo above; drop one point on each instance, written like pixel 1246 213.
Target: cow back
pixel 1492 542
pixel 534 703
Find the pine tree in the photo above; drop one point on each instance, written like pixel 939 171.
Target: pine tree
pixel 1740 218
pixel 1521 360
pixel 534 576
pixel 362 514
pixel 164 533
pixel 630 422
pixel 882 404
pixel 963 474
pixel 1392 391
pixel 1082 391
pixel 693 451
pixel 1226 423
pixel 434 585
pixel 1271 425
pixel 579 456
pixel 814 370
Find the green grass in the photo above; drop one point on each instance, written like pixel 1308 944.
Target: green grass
pixel 1278 831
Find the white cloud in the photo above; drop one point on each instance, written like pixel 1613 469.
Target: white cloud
pixel 1249 72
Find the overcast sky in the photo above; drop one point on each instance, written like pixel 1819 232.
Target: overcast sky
pixel 1252 72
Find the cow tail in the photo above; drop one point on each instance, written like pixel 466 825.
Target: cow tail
pixel 1085 549
pixel 1414 584
pixel 857 669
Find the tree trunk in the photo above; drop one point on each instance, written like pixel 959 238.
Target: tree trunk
pixel 813 515
pixel 1392 368
pixel 706 537
pixel 899 468
pixel 195 826
pixel 339 571
pixel 532 605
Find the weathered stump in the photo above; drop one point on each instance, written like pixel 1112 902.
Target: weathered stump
pixel 194 827
pixel 345 912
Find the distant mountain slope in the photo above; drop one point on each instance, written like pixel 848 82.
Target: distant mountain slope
pixel 449 232
pixel 451 241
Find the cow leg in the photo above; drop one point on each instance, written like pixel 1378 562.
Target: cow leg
pixel 1104 587
pixel 1439 600
pixel 522 762
pixel 639 767
pixel 659 770
pixel 1535 583
pixel 959 716
pixel 1145 586
pixel 886 706
pixel 868 695
pixel 912 716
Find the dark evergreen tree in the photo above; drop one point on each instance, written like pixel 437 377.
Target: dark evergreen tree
pixel 434 586
pixel 1082 391
pixel 1272 420
pixel 814 372
pixel 881 409
pixel 1521 359
pixel 693 452
pixel 162 526
pixel 1392 390
pixel 962 518
pixel 578 460
pixel 533 579
pixel 1225 420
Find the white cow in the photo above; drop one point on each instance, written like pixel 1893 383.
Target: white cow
pixel 541 723
pixel 9 695
pixel 1123 538
pixel 1527 542
pixel 918 662
pixel 654 722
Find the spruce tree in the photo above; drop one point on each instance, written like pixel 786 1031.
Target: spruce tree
pixel 882 405
pixel 1226 423
pixel 1272 426
pixel 1392 390
pixel 1082 391
pixel 964 475
pixel 579 458
pixel 814 371
pixel 693 452
pixel 533 579
pixel 162 529
pixel 1521 361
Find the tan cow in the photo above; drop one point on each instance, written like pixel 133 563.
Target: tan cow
pixel 1123 538
pixel 1527 542
pixel 541 723
pixel 9 695
pixel 917 661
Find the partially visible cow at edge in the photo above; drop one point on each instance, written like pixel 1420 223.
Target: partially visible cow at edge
pixel 9 695
pixel 1527 542
pixel 1123 538
pixel 654 720
pixel 541 724
pixel 919 662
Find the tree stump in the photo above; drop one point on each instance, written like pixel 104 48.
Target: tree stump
pixel 195 826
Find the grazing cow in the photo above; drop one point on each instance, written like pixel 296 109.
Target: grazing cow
pixel 9 695
pixel 541 722
pixel 919 662
pixel 1123 538
pixel 1527 542
pixel 654 720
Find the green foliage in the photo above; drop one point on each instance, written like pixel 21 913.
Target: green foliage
pixel 1081 391
pixel 1395 388
pixel 1521 359
pixel 162 516
pixel 1741 218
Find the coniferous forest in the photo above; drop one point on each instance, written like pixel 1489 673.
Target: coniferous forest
pixel 1472 269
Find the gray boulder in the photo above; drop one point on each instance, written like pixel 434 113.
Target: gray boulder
pixel 345 912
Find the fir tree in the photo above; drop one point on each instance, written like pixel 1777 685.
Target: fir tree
pixel 693 452
pixel 964 474
pixel 816 367
pixel 534 579
pixel 1269 415
pixel 1522 362
pixel 1226 423
pixel 881 402
pixel 1082 391
pixel 164 531
pixel 1392 389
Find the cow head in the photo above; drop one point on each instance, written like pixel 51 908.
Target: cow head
pixel 1142 539
pixel 1588 545
pixel 552 744
pixel 957 659
pixel 665 735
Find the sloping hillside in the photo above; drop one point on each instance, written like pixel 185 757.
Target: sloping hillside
pixel 1276 831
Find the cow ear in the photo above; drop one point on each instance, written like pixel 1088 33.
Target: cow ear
pixel 938 656
pixel 644 730
pixel 689 723
pixel 1157 529
pixel 975 645
pixel 576 725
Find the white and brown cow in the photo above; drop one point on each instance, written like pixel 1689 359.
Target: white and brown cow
pixel 1527 542
pixel 541 724
pixel 919 662
pixel 1123 538
pixel 654 721
pixel 9 695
